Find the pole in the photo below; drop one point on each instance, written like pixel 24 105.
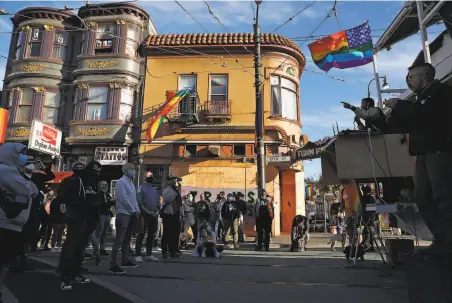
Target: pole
pixel 425 45
pixel 260 151
pixel 324 214
pixel 377 81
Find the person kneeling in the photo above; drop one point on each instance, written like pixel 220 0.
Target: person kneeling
pixel 206 243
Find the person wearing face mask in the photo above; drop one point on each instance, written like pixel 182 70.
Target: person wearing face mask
pixel 427 121
pixel 106 203
pixel 16 196
pixel 77 192
pixel 373 116
pixel 171 212
pixel 231 219
pixel 203 212
pixel 127 211
pixel 149 201
pixel 188 221
pixel 217 220
pixel 264 214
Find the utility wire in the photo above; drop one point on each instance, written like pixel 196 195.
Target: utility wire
pixel 294 16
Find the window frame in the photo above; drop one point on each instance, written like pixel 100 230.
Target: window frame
pixel 189 75
pixel 57 108
pixel 88 102
pixel 112 39
pixel 31 41
pixel 65 44
pixel 132 91
pixel 127 25
pixel 280 89
pixel 22 35
pixel 210 88
pixel 19 99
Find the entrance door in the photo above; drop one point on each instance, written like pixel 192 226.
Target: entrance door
pixel 288 200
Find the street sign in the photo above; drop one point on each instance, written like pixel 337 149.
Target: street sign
pixel 44 138
pixel 278 159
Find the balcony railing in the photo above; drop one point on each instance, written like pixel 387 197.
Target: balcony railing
pixel 218 108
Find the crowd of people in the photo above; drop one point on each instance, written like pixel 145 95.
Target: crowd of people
pixel 33 214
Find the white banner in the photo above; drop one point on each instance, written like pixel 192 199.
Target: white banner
pixel 111 155
pixel 44 138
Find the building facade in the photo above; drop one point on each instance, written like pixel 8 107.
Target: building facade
pixel 82 73
pixel 209 139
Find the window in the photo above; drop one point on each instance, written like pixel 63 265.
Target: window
pixel 125 108
pixel 218 88
pixel 34 47
pixel 239 150
pixel 20 45
pixel 60 45
pixel 284 98
pixel 9 99
pixel 132 40
pixel 104 38
pixel 51 107
pixel 97 103
pixel 187 82
pixel 191 150
pixel 25 105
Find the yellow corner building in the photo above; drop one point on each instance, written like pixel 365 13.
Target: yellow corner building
pixel 209 139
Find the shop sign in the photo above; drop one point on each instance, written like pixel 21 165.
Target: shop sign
pixel 312 150
pixel 45 139
pixel 277 159
pixel 111 155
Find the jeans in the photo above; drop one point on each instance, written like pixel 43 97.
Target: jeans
pixel 219 227
pixel 150 226
pixel 433 192
pixel 102 230
pixel 171 233
pixel 263 230
pixel 71 257
pixel 57 235
pixel 124 224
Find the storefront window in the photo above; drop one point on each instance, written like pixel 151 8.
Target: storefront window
pixel 218 88
pixel 60 45
pixel 104 38
pixel 97 103
pixel 34 46
pixel 51 107
pixel 284 98
pixel 125 108
pixel 132 40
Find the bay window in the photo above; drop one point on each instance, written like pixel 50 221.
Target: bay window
pixel 20 45
pixel 125 107
pixel 34 46
pixel 24 99
pixel 132 40
pixel 104 38
pixel 284 98
pixel 97 103
pixel 51 107
pixel 218 88
pixel 60 45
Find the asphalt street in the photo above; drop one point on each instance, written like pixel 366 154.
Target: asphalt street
pixel 238 276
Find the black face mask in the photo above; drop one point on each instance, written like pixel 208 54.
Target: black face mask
pixel 149 179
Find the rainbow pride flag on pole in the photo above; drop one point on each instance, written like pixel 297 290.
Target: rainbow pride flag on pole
pixel 157 120
pixel 345 49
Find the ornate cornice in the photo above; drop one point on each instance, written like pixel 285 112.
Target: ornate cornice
pixel 48 27
pixel 110 9
pixel 31 13
pixel 93 131
pixel 19 132
pixel 101 64
pixel 38 89
pixel 31 67
pixel 120 21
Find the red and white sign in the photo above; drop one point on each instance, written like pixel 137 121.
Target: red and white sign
pixel 44 138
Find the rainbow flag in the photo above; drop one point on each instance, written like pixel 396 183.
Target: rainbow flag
pixel 169 106
pixel 3 124
pixel 345 49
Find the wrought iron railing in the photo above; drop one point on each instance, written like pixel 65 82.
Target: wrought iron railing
pixel 218 108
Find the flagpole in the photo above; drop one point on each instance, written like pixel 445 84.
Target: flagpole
pixel 377 80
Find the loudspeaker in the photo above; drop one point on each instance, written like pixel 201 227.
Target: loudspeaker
pixel 399 249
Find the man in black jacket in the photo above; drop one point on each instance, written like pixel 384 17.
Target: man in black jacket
pixel 79 192
pixel 427 120
pixel 373 116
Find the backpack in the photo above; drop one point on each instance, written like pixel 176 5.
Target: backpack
pixel 230 210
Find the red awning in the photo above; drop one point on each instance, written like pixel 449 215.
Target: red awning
pixel 60 175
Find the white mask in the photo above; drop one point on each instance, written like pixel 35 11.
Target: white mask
pixel 131 174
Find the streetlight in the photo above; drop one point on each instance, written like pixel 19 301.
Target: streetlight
pixel 259 119
pixel 384 86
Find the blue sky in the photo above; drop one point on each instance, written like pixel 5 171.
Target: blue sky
pixel 320 95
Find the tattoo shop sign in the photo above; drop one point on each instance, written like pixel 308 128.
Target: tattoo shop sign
pixel 111 155
pixel 44 138
pixel 312 150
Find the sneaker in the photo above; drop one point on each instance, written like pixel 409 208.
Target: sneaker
pixel 87 256
pixel 129 264
pixel 81 280
pixel 165 256
pixel 66 285
pixel 177 255
pixel 138 259
pixel 151 259
pixel 116 270
pixel 236 246
pixel 98 261
pixel 103 252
